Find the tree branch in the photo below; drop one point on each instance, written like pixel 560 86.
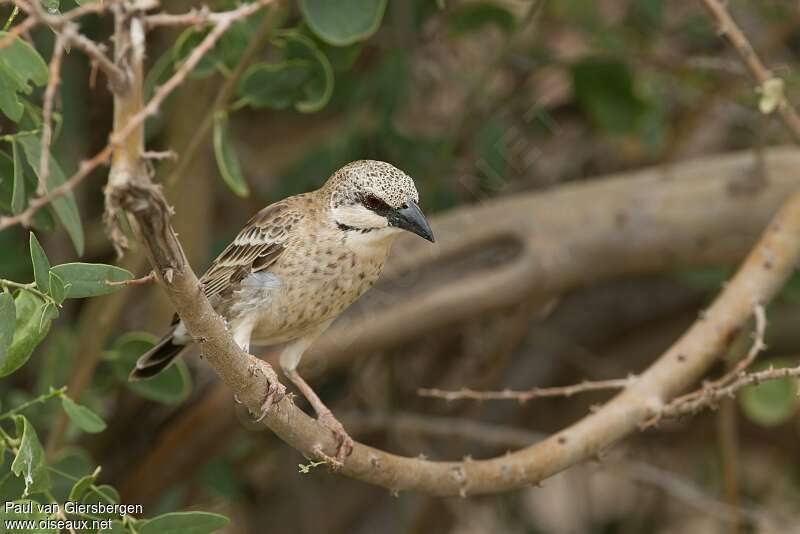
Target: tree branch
pixel 136 121
pixel 767 81
pixel 525 396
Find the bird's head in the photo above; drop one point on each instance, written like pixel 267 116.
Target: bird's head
pixel 373 196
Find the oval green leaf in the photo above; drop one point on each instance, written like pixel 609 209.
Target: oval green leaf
pixel 33 317
pixel 184 523
pixel 89 279
pixel 23 62
pixel 275 85
pixel 317 91
pixel 226 158
pixel 8 320
pixel 86 419
pixel 81 487
pixel 343 22
pixel 41 266
pixel 773 402
pixel 58 289
pixel 18 195
pixel 64 205
pixel 29 462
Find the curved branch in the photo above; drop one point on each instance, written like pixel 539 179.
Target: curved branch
pixel 763 273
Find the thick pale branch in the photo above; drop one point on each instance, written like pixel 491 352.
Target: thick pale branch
pixel 760 277
pixel 653 220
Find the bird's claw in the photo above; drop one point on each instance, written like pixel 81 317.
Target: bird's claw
pixel 275 390
pixel 344 443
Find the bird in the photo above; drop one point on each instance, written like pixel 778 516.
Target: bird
pixel 298 264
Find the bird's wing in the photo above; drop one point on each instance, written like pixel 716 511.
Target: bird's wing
pixel 257 246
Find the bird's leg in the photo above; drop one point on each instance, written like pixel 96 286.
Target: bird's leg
pixel 344 443
pixel 275 390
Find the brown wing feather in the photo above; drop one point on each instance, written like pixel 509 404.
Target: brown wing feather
pixel 257 246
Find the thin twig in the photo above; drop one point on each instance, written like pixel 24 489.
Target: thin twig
pixel 712 396
pixel 149 277
pixel 54 78
pixel 194 17
pixel 524 396
pixel 764 77
pixel 690 399
pixel 63 24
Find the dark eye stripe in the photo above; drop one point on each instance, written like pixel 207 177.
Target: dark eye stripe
pixel 373 203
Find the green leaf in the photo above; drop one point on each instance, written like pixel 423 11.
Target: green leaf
pixel 104 494
pixel 171 386
pixel 8 320
pixel 86 419
pixel 24 510
pixel 10 103
pixel 474 16
pixel 773 402
pixel 184 523
pixel 89 279
pixel 29 463
pixel 41 266
pixel 23 59
pixel 18 196
pixel 42 219
pixel 341 58
pixel 64 205
pixel 317 91
pixel 227 161
pixel 20 64
pixel 343 22
pixel 58 289
pixel 274 85
pixel 33 322
pixel 81 487
pixel 605 90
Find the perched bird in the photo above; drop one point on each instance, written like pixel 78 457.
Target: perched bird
pixel 298 263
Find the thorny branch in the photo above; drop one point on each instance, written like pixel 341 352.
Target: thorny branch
pixel 525 396
pixel 53 80
pixel 708 394
pixel 709 397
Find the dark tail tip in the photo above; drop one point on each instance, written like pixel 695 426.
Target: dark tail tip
pixel 156 359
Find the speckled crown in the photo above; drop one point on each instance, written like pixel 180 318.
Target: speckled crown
pixel 369 176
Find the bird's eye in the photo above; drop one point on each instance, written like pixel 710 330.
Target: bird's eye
pixel 373 203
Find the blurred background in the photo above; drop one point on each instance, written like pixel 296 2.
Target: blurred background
pixel 478 101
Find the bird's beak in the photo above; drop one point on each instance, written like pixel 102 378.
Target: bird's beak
pixel 411 218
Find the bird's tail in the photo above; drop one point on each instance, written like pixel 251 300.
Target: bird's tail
pixel 158 358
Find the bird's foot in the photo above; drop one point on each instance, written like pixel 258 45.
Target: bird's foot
pixel 344 443
pixel 275 390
